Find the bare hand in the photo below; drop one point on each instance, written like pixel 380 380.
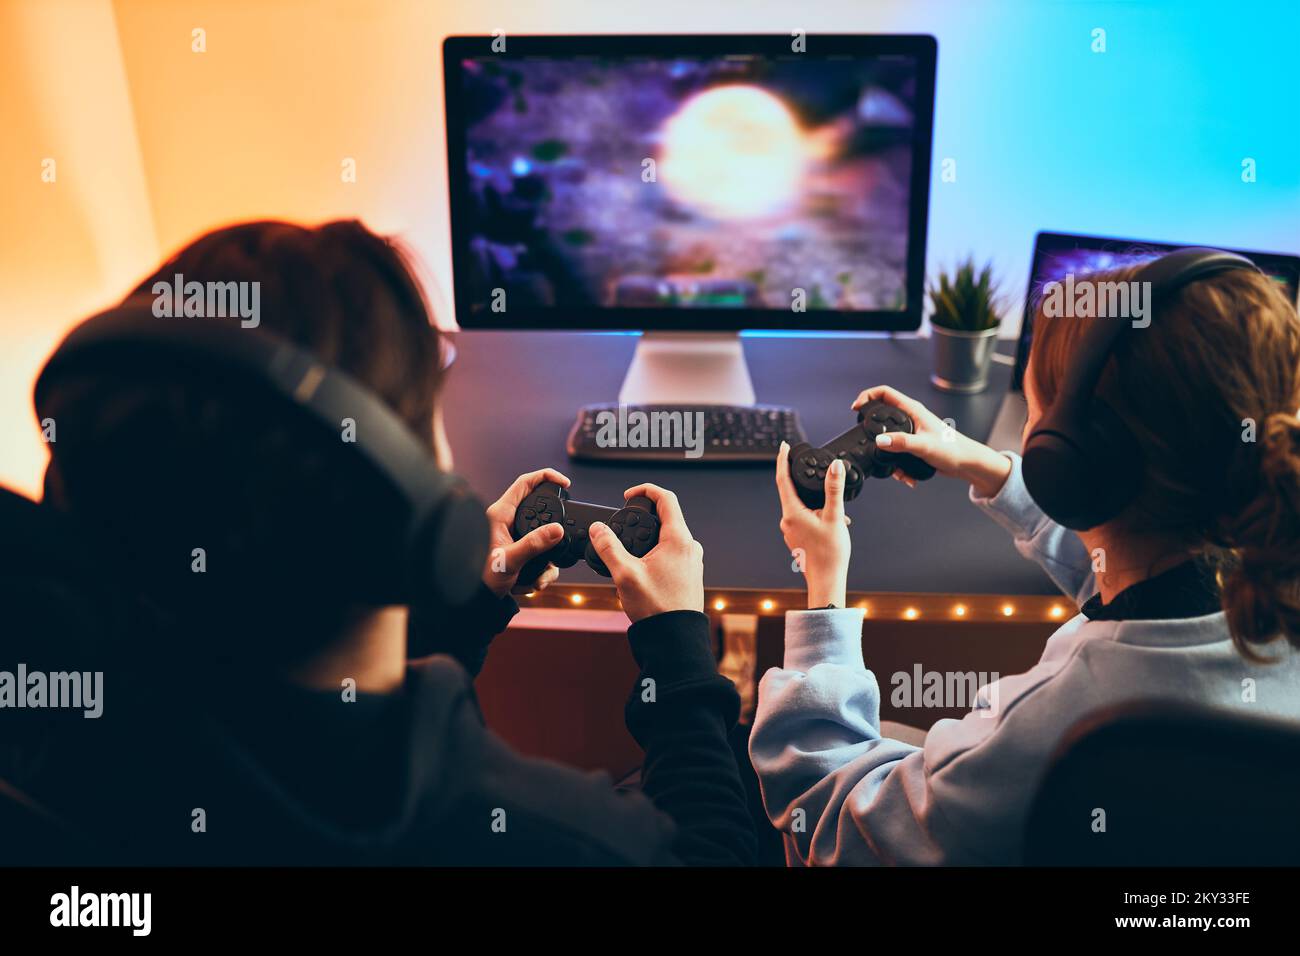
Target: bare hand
pixel 937 443
pixel 670 577
pixel 506 556
pixel 818 539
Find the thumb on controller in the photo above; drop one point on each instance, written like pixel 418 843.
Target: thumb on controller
pixel 919 446
pixel 607 544
pixel 534 543
pixel 904 443
pixel 833 509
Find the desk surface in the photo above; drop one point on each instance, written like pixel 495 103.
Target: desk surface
pixel 512 397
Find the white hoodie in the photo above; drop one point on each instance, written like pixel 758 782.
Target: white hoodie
pixel 842 794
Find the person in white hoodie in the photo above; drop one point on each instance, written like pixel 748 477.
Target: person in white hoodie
pixel 1189 593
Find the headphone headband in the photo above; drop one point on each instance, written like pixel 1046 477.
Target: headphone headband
pixel 441 522
pixel 1081 464
pixel 1164 277
pixel 130 339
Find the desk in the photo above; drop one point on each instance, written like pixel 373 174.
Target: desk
pixel 511 398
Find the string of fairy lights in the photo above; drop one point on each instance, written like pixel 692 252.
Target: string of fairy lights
pixel 893 606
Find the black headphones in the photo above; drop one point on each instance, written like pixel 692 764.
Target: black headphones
pixel 403 531
pixel 1082 465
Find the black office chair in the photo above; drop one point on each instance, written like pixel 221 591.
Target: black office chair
pixel 52 620
pixel 1178 786
pixel 32 835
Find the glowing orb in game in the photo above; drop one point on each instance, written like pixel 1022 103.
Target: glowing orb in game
pixel 734 152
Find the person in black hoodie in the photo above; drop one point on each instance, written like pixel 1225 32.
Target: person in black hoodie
pixel 227 737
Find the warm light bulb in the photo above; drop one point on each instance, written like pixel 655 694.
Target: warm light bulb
pixel 1057 610
pixel 1008 610
pixel 911 614
pixel 531 594
pixel 768 604
pixel 719 605
pixel 959 610
pixel 575 598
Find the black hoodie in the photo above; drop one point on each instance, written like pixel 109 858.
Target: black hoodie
pixel 269 773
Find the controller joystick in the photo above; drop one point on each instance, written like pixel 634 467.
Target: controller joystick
pixel 635 524
pixel 861 455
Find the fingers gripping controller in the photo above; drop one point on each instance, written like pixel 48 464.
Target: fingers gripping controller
pixel 861 455
pixel 635 524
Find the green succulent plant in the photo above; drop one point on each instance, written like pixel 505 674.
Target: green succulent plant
pixel 966 302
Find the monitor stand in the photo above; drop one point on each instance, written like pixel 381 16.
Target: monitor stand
pixel 688 368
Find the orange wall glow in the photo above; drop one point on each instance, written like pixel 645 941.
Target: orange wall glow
pixel 76 225
pixel 156 141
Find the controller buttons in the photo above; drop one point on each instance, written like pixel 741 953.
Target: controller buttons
pixel 530 513
pixel 631 519
pixel 643 535
pixel 810 472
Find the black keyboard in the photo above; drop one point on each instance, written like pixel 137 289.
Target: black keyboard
pixel 671 433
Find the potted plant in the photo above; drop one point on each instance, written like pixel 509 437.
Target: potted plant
pixel 964 327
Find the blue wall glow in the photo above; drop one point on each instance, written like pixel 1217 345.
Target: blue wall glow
pixel 1145 140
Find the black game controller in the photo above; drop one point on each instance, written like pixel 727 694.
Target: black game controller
pixel 636 525
pixel 862 457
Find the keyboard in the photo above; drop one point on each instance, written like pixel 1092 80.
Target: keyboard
pixel 672 433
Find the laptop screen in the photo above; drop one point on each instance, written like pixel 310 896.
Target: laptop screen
pixel 1058 254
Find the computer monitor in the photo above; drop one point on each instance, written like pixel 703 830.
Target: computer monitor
pixel 689 184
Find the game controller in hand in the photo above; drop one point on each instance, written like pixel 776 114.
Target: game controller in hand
pixel 861 455
pixel 636 525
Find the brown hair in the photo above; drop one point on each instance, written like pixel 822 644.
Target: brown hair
pixel 1210 389
pixel 340 291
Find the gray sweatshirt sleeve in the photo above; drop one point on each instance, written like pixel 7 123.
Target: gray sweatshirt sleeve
pixel 842 794
pixel 1054 548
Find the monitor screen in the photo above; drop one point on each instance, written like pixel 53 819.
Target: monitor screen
pixel 689 183
pixel 1057 255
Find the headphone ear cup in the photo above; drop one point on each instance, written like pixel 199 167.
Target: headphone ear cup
pixel 1055 473
pixel 449 551
pixel 1083 480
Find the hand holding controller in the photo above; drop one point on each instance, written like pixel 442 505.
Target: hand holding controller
pixel 635 524
pixel 861 456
